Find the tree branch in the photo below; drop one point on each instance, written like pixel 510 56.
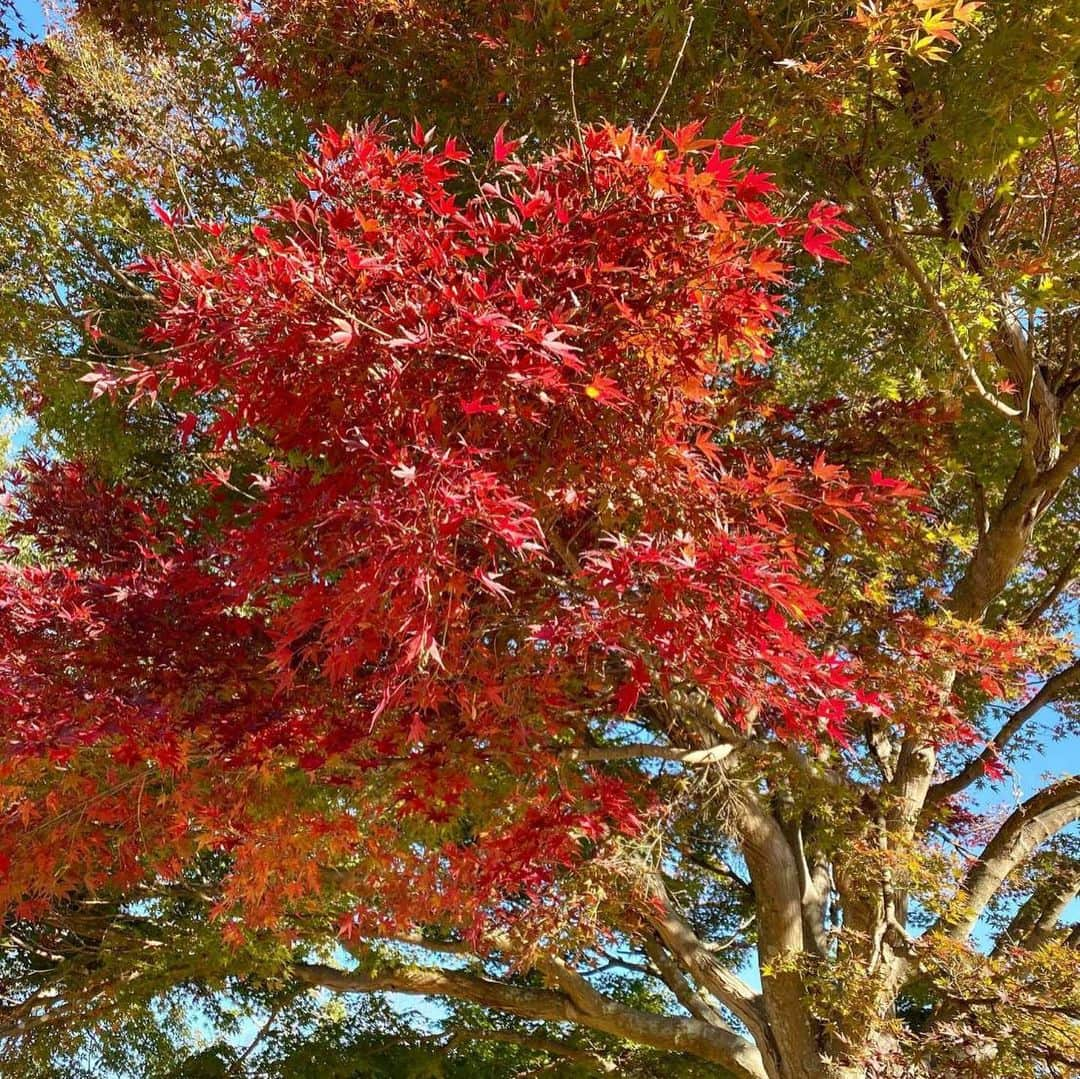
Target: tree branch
pixel 1027 497
pixel 1064 578
pixel 1050 691
pixel 775 877
pixel 1036 921
pixel 1023 832
pixel 895 242
pixel 670 974
pixel 648 751
pixel 551 1046
pixel 681 940
pixel 589 1009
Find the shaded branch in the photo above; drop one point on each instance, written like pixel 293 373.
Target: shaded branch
pixel 675 980
pixel 538 1044
pixel 1062 581
pixel 680 939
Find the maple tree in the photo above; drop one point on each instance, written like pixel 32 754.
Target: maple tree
pixel 517 607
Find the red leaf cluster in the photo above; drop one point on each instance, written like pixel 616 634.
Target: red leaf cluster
pixel 515 484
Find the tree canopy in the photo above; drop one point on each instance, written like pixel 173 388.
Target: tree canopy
pixel 567 512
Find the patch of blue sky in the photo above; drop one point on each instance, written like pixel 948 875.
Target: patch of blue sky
pixel 16 430
pixel 25 18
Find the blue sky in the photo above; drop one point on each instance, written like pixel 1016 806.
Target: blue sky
pixel 30 13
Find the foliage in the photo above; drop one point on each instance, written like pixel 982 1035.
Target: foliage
pixel 546 571
pixel 527 588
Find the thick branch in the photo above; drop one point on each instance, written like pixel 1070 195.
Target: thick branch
pixel 670 974
pixel 671 1033
pixel 1023 832
pixel 775 876
pixel 1028 496
pixel 709 973
pixel 1037 920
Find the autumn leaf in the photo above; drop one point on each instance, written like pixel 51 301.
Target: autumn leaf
pixel 504 148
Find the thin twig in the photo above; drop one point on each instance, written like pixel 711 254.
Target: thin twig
pixel 238 1063
pixel 577 122
pixel 671 77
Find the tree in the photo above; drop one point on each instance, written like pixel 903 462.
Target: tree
pixel 532 618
